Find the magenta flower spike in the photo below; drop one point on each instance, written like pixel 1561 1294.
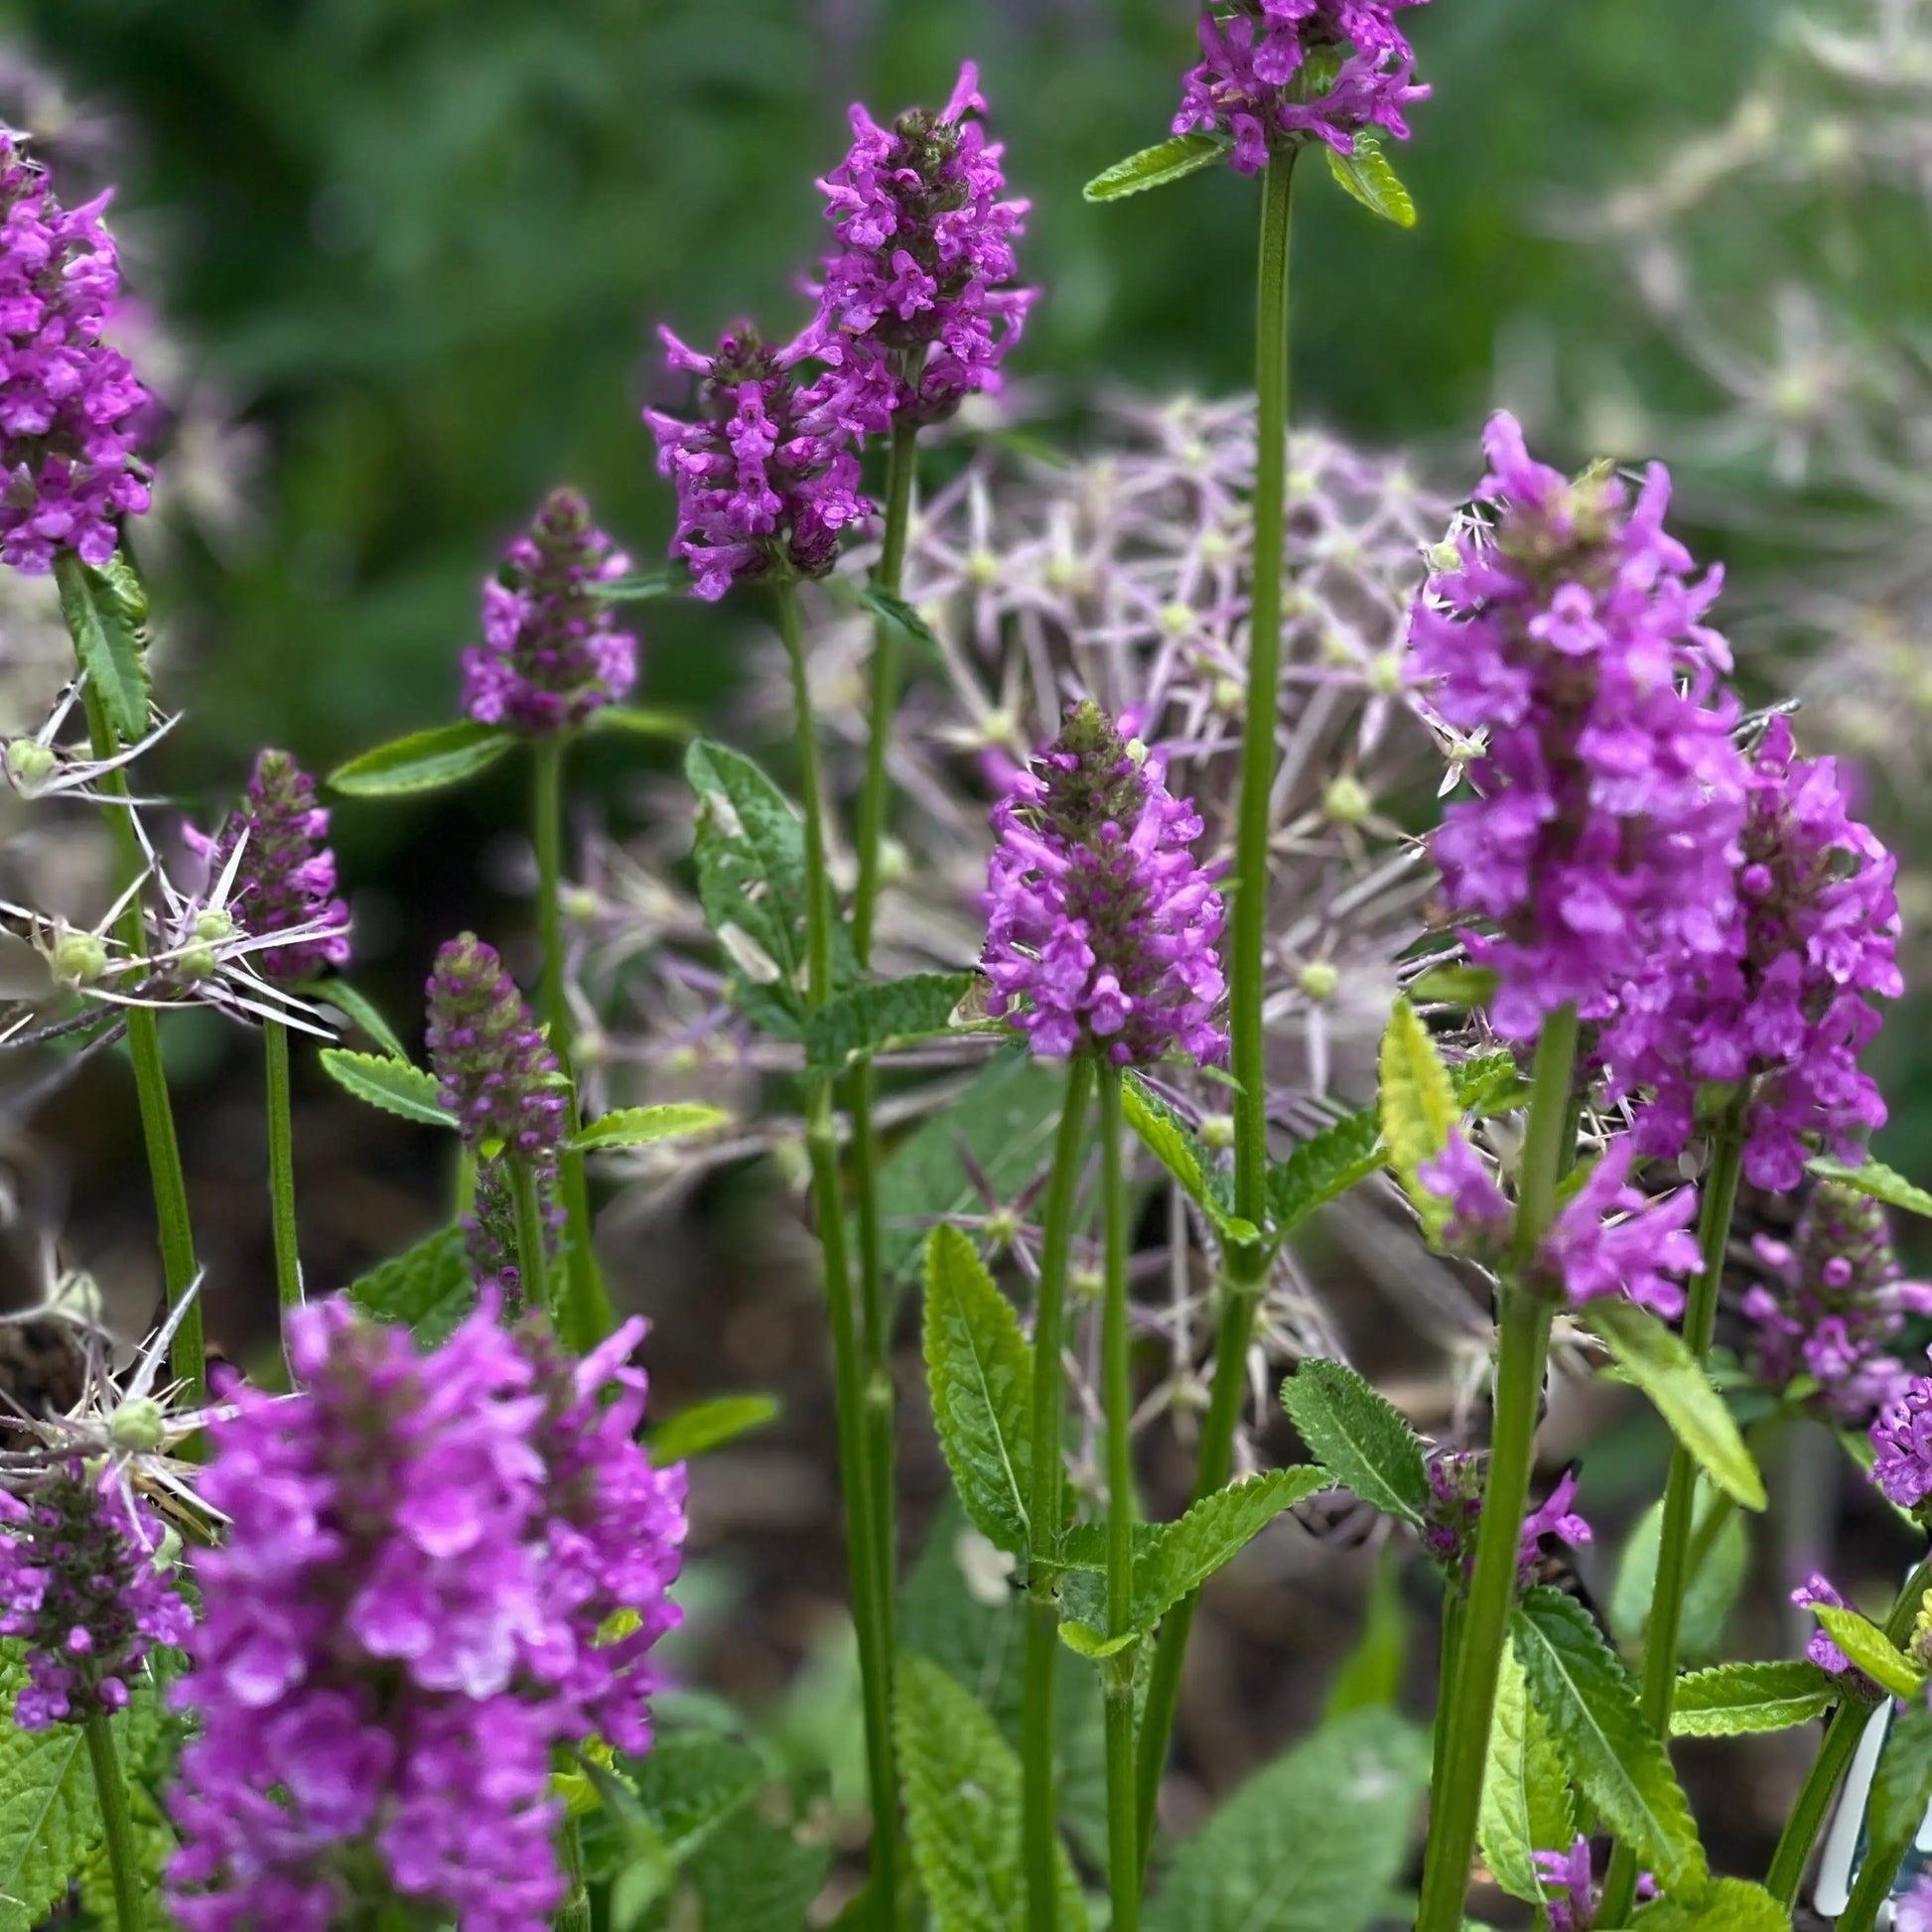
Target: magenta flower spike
pixel 1902 1443
pixel 1103 930
pixel 498 1074
pixel 1449 1534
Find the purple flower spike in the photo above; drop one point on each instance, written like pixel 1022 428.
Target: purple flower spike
pixel 79 1588
pixel 552 654
pixel 1610 796
pixel 766 479
pixel 498 1074
pixel 439 1570
pixel 69 406
pixel 1783 1003
pixel 287 877
pixel 1838 1305
pixel 1277 72
pixel 921 294
pixel 1901 1443
pixel 1456 1487
pixel 1102 930
pixel 1570 1890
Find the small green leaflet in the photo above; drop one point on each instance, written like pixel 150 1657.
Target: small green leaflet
pixel 104 610
pixel 874 1018
pixel 429 1288
pixel 1872 1651
pixel 424 761
pixel 1367 176
pixel 756 1876
pixel 980 1372
pixel 1526 1802
pixel 1178 1149
pixel 1311 1844
pixel 1154 167
pixel 1456 986
pixel 1324 1168
pixel 393 1085
pixel 644 586
pixel 1591 1702
pixel 359 1012
pixel 895 610
pixel 1488 1083
pixel 1359 1437
pixel 635 722
pixel 1873 1177
pixel 1419 1108
pixel 962 1809
pixel 707 1426
pixel 1656 1359
pixel 1735 1699
pixel 645 1126
pixel 1726 1905
pixel 1711 1594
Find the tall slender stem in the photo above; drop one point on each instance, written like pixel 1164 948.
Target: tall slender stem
pixel 1523 1324
pixel 1834 1756
pixel 1045 1506
pixel 1117 1387
pixel 117 1826
pixel 532 1262
pixel 187 1359
pixel 1675 1569
pixel 281 1171
pixel 872 1590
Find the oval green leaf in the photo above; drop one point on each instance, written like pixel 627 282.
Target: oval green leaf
pixel 393 1085
pixel 424 761
pixel 1154 167
pixel 642 1125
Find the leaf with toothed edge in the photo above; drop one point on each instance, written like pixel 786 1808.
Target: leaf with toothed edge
pixel 1740 1700
pixel 1875 1178
pixel 646 1125
pixel 104 609
pixel 425 760
pixel 393 1085
pixel 1360 1437
pixel 1154 167
pixel 359 1012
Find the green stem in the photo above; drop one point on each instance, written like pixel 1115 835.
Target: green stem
pixel 187 1359
pixel 1117 1396
pixel 533 1263
pixel 1675 1566
pixel 1834 1759
pixel 117 1826
pixel 1045 1505
pixel 871 1582
pixel 1451 1648
pixel 1523 1324
pixel 573 1914
pixel 281 1171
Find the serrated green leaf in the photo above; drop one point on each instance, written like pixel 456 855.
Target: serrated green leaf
pixel 1324 1168
pixel 429 1288
pixel 895 610
pixel 962 1808
pixel 1418 1107
pixel 1488 1083
pixel 103 610
pixel 885 1014
pixel 1872 1651
pixel 1154 167
pixel 1178 1149
pixel 1736 1700
pixel 1656 1359
pixel 393 1085
pixel 1726 1905
pixel 1311 1844
pixel 1873 1177
pixel 1708 1598
pixel 645 1126
pixel 50 1820
pixel 425 760
pixel 707 1426
pixel 1359 1437
pixel 643 585
pixel 1370 1675
pixel 751 1875
pixel 359 1012
pixel 1367 176
pixel 634 720
pixel 980 1372
pixel 1526 1803
pixel 690 1783
pixel 1590 1699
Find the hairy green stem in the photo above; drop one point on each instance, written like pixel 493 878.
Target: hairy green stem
pixel 187 1359
pixel 532 1260
pixel 1045 1505
pixel 117 1825
pixel 1834 1759
pixel 1523 1325
pixel 281 1171
pixel 871 1582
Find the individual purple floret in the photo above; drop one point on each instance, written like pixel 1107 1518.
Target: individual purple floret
pixel 498 1074
pixel 1479 1211
pixel 552 652
pixel 1450 1524
pixel 766 479
pixel 1570 1894
pixel 1913 1912
pixel 1902 1444
pixel 1102 930
pixel 79 1588
pixel 69 406
pixel 1277 72
pixel 1783 1004
pixel 287 875
pixel 1822 1650
pixel 1838 1302
pixel 920 293
pixel 438 1571
pixel 1610 796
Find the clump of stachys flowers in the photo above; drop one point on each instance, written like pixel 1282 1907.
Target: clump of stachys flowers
pixel 1902 1443
pixel 497 1074
pixel 1275 73
pixel 920 293
pixel 84 1586
pixel 1570 1893
pixel 1609 795
pixel 1102 927
pixel 1834 1305
pixel 552 652
pixel 1454 1510
pixel 70 405
pixel 439 1569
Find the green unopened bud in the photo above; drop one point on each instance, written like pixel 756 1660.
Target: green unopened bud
pixel 895 865
pixel 1085 1284
pixel 167 1553
pixel 1216 547
pixel 581 905
pixel 1230 694
pixel 1002 1229
pixel 1319 980
pixel 29 764
pixel 1136 750
pixel 1177 620
pixel 1444 557
pixel 982 569
pixel 78 959
pixel 138 1424
pixel 197 962
pixel 215 926
pixel 1347 801
pixel 1385 672
pixel 1217 1132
